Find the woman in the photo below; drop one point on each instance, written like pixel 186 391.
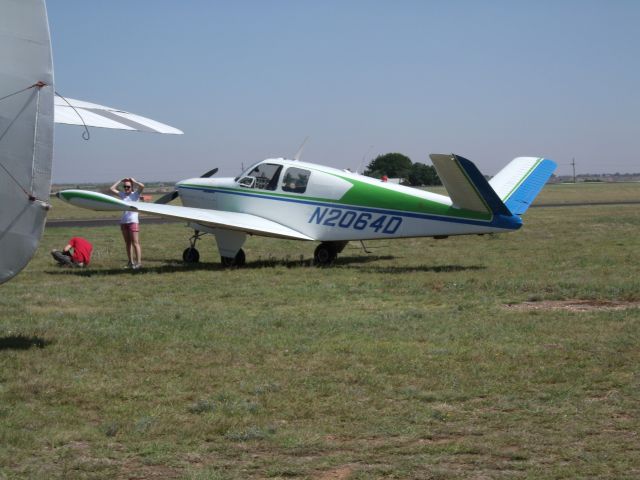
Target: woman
pixel 129 221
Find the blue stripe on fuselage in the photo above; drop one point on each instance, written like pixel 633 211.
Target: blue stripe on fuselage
pixel 499 221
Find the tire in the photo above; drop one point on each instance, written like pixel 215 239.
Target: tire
pixel 324 255
pixel 191 255
pixel 237 261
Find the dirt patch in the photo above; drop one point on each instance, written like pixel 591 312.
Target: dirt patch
pixel 574 305
pixel 340 473
pixel 135 470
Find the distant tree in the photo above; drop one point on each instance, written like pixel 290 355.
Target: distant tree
pixel 393 165
pixel 421 174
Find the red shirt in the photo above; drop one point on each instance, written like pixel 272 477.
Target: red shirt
pixel 81 250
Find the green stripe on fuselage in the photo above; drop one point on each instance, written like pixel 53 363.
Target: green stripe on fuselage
pixel 363 194
pixel 367 195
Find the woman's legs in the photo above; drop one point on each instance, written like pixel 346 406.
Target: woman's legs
pixel 135 240
pixel 126 234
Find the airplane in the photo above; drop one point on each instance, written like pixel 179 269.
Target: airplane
pixel 291 199
pixel 29 107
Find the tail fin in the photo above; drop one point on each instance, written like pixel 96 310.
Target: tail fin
pixel 521 180
pixel 466 186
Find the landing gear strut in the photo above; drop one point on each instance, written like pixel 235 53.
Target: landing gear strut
pixel 237 261
pixel 191 254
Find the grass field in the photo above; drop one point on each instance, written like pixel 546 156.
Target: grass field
pixel 425 359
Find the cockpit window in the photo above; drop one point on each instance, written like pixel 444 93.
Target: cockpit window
pixel 295 180
pixel 264 176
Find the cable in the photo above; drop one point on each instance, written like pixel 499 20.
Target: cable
pixel 85 135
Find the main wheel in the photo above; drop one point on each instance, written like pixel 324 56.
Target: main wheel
pixel 191 255
pixel 237 261
pixel 325 254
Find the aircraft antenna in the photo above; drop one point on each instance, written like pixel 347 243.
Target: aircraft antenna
pixel 298 154
pixel 363 157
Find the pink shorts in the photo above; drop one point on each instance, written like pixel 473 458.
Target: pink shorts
pixel 130 227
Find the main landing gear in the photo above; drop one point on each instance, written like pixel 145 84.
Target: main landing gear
pixel 237 261
pixel 327 252
pixel 192 256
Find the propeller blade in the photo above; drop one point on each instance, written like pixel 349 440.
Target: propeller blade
pixel 210 173
pixel 167 197
pixel 173 195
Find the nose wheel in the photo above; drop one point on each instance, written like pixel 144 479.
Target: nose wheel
pixel 191 254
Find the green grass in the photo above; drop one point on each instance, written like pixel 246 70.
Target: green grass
pixel 590 192
pixel 572 193
pixel 399 364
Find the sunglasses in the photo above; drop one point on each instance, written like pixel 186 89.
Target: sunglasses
pixel 127 187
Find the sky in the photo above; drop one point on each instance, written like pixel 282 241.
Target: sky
pixel 248 80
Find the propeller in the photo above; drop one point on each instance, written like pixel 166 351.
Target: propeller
pixel 168 197
pixel 210 173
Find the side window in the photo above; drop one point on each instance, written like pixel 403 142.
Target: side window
pixel 295 180
pixel 264 176
pixel 247 182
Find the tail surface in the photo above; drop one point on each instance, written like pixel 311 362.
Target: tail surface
pixel 521 180
pixel 466 186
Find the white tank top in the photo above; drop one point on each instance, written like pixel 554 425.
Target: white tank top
pixel 129 217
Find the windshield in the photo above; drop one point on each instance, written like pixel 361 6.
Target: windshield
pixel 263 176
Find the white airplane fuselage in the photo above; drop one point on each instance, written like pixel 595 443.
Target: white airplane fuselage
pixel 324 213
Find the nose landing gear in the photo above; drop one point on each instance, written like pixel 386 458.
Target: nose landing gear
pixel 191 254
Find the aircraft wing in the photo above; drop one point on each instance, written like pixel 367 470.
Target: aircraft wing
pixel 77 112
pixel 243 222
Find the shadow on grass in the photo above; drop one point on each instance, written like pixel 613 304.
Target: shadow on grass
pixel 177 266
pixel 424 268
pixel 169 268
pixel 22 342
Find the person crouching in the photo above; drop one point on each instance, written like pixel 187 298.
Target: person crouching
pixel 77 253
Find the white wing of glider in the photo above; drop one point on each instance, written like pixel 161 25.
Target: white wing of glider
pixel 78 112
pixel 242 222
pixel 26 130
